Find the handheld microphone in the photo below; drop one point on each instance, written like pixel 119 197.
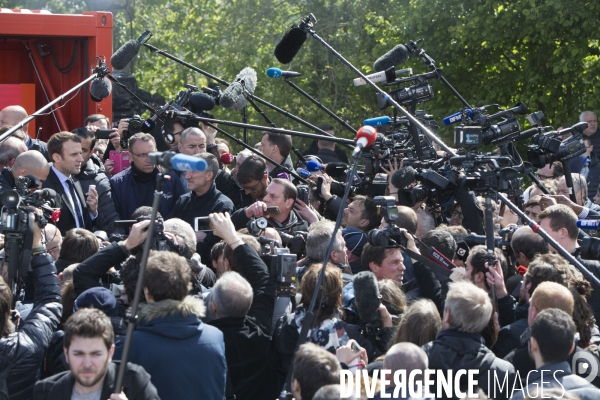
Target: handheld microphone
pixel 227 158
pixel 378 121
pixel 278 73
pixel 456 117
pixel 177 161
pixel 313 166
pixel 290 44
pixel 125 54
pixel 396 56
pixel 100 89
pixel 366 296
pixel 303 173
pixel 235 95
pixel 591 224
pixel 365 137
pixel 388 75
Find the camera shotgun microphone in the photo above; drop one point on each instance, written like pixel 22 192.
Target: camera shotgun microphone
pixel 388 76
pixel 365 137
pixel 590 224
pixel 178 162
pixel 150 123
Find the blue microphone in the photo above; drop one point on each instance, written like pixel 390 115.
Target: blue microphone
pixel 313 166
pixel 456 117
pixel 178 162
pixel 591 224
pixel 277 73
pixel 378 121
pixel 303 173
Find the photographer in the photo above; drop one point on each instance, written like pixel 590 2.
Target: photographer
pixel 22 347
pixel 26 163
pixel 115 143
pixel 243 304
pixel 280 193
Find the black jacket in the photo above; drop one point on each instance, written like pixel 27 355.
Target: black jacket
pixel 7 180
pixel 67 214
pixel 89 272
pixel 593 178
pixel 22 352
pixel 250 357
pixel 454 350
pixel 278 170
pixel 509 336
pixel 189 206
pixel 93 173
pixel 313 149
pixel 136 384
pixel 38 145
pixel 328 156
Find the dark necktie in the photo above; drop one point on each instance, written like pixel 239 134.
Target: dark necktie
pixel 76 205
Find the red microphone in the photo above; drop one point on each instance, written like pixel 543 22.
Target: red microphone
pixel 365 137
pixel 227 158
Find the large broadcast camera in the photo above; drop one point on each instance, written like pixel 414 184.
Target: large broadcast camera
pixel 17 225
pixel 547 146
pixel 281 264
pixel 391 236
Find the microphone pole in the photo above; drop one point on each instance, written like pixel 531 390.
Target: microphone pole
pixel 223 82
pixel 537 229
pixel 99 72
pixel 132 320
pixel 310 316
pixel 258 153
pixel 308 27
pixel 321 106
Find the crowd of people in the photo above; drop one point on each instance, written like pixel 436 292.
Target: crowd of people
pixel 217 322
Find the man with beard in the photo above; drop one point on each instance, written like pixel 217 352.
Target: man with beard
pixel 88 347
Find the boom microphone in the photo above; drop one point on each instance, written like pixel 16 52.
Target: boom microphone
pixel 235 95
pixel 336 169
pixel 277 73
pixel 290 44
pixel 100 89
pixel 125 54
pixel 201 102
pixel 150 123
pixel 313 166
pixel 366 296
pixel 403 177
pixel 365 137
pixel 177 161
pixel 591 224
pixel 396 56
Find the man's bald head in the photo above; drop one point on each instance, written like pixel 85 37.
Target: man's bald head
pixel 12 115
pixel 405 356
pixel 9 150
pixel 31 162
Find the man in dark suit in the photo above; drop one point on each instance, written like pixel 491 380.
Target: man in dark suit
pixel 77 210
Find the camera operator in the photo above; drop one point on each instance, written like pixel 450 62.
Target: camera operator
pixel 22 347
pixel 115 142
pixel 280 193
pixel 560 223
pixel 243 305
pixel 26 163
pixel 9 150
pixel 253 178
pixel 203 199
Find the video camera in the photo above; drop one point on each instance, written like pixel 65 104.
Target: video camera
pixel 159 240
pixel 548 148
pixel 135 126
pixel 296 243
pixel 281 264
pixel 391 236
pixel 17 225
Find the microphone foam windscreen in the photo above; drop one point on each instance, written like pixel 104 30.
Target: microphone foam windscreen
pixel 235 95
pixel 290 44
pixel 403 177
pixel 336 169
pixel 100 89
pixel 201 102
pixel 313 166
pixel 366 296
pixel 125 54
pixel 396 56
